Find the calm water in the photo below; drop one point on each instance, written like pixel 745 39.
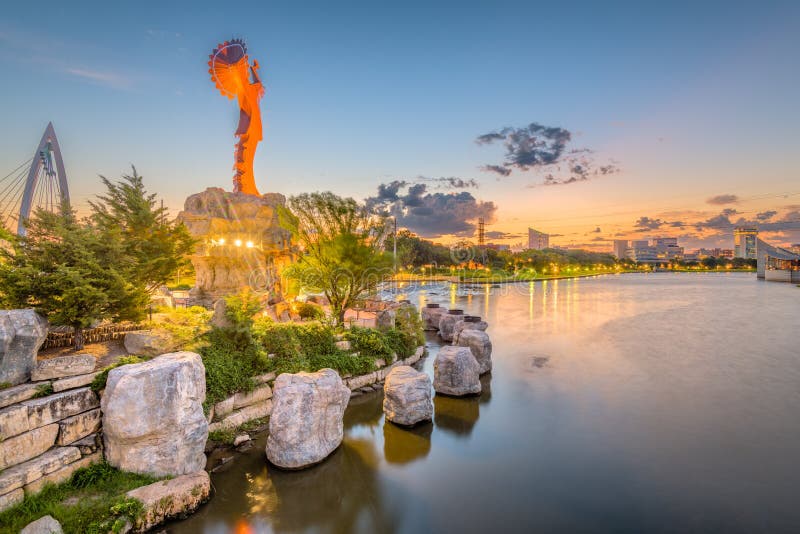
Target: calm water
pixel 633 403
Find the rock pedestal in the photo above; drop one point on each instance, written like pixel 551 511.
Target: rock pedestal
pixel 22 332
pixel 407 396
pixel 153 419
pixel 480 345
pixel 306 424
pixel 431 314
pixel 240 243
pixel 456 372
pixel 447 323
pixel 168 499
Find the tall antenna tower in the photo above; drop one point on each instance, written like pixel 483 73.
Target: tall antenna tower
pixel 481 233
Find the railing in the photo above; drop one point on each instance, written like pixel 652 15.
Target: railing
pixel 64 336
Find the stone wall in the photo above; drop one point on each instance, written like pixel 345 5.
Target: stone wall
pixel 44 438
pixel 243 407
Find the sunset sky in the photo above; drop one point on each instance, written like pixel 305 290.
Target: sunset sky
pixel 591 122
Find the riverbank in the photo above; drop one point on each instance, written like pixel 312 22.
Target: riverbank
pixel 510 279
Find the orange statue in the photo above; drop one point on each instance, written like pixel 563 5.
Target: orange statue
pixel 230 71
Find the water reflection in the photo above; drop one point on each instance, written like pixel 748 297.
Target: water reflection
pixel 404 445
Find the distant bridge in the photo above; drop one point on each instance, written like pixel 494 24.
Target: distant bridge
pixel 38 183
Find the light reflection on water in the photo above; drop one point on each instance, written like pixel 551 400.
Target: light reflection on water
pixel 627 403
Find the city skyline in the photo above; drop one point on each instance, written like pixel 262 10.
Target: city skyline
pixel 654 123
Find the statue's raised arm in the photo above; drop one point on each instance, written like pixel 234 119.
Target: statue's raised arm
pixel 231 72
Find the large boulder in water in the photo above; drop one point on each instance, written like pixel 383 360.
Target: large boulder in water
pixel 447 323
pixel 470 322
pixel 153 419
pixel 431 314
pixel 480 345
pixel 22 332
pixel 456 372
pixel 306 424
pixel 407 396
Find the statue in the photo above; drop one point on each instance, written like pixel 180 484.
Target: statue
pixel 231 72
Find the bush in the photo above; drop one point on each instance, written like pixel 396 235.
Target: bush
pixel 186 326
pixel 369 341
pixel 229 365
pixel 307 310
pixel 241 308
pixel 99 382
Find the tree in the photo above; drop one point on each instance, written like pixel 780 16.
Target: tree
pixel 154 247
pixel 69 272
pixel 342 246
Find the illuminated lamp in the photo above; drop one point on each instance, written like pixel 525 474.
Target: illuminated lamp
pixel 249 244
pixel 238 242
pixel 221 241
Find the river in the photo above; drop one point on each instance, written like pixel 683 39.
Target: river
pixel 623 403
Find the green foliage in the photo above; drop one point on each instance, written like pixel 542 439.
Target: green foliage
pixel 185 326
pixel 369 341
pixel 230 365
pixel 43 390
pixel 70 272
pixel 154 248
pixel 5 385
pixel 224 436
pixel 307 310
pixel 76 272
pixel 409 322
pixel 99 382
pixel 92 501
pixel 241 308
pixel 342 244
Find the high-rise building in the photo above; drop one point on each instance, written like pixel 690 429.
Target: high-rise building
pixel 667 247
pixel 795 248
pixel 538 240
pixel 744 242
pixel 620 247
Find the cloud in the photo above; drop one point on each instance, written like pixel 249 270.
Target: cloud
pixel 646 223
pixel 723 199
pixel 495 234
pixel 544 148
pixel 107 78
pixel 766 215
pixel 450 182
pixel 431 214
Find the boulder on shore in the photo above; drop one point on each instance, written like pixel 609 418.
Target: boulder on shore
pixel 456 372
pixel 22 332
pixel 147 342
pixel 306 424
pixel 153 419
pixel 168 499
pixel 480 345
pixel 407 396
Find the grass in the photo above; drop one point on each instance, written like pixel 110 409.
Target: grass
pixel 92 501
pixel 99 382
pixel 228 435
pixel 5 385
pixel 43 390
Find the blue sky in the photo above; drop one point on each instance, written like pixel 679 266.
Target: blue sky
pixel 689 101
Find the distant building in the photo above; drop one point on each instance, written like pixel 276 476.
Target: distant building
pixel 642 252
pixel 498 246
pixel 667 248
pixel 777 264
pixel 795 248
pixel 538 240
pixel 714 253
pixel 620 248
pixel 727 253
pixel 744 242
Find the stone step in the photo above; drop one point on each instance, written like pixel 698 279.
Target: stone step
pixel 25 473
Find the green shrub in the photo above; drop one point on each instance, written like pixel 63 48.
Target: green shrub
pixel 186 326
pixel 409 322
pixel 229 365
pixel 99 382
pixel 307 310
pixel 277 338
pixel 368 341
pixel 241 308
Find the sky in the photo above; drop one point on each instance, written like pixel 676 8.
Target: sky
pixel 589 121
